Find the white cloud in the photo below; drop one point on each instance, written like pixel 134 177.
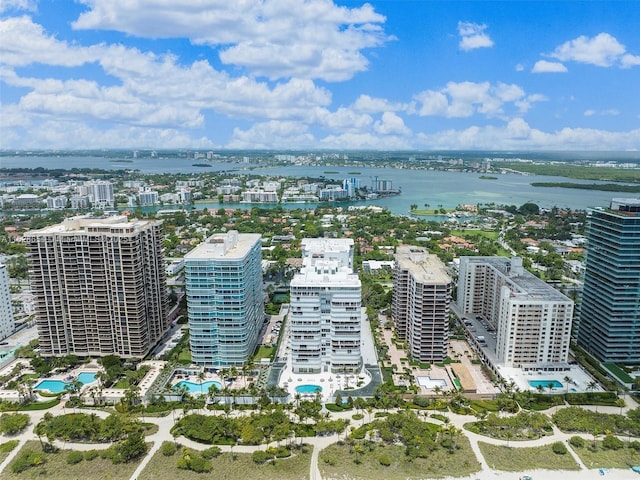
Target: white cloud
pixel 367 104
pixel 343 119
pixel 518 135
pixel 519 67
pixel 273 134
pixel 25 43
pixel 603 50
pixel 544 66
pixel 629 60
pixel 150 89
pixel 365 141
pixel 464 99
pixel 473 36
pixel 8 5
pixel 275 38
pixel 391 124
pixel 612 112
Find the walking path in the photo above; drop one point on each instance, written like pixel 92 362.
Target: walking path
pixel 318 443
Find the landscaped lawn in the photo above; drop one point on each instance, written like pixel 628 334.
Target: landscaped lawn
pixel 226 468
pixel 57 468
pixel 517 459
pixel 603 458
pixel 339 461
pixel 6 448
pixel 474 232
pixel 264 352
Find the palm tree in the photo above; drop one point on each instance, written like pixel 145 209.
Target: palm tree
pixel 201 377
pixel 213 392
pixel 568 381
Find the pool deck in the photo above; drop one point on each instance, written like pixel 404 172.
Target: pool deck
pixel 579 379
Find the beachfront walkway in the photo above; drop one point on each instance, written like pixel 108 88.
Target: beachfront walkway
pixel 318 443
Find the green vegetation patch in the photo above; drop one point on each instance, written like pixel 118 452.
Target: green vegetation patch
pixel 617 371
pixel 523 426
pixel 596 455
pixel 517 459
pixel 55 466
pixel 231 466
pixel 380 461
pixel 264 351
pixel 575 419
pixel 605 187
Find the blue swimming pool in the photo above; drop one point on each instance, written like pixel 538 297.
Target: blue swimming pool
pixel 308 389
pixel 197 388
pixel 545 383
pixel 57 386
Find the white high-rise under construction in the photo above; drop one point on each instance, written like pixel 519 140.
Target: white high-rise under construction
pixel 325 315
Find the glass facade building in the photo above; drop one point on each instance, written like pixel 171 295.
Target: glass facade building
pixel 225 299
pixel 609 327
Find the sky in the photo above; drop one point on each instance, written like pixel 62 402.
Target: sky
pixel 320 74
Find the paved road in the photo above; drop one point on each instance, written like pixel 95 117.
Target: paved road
pixel 318 443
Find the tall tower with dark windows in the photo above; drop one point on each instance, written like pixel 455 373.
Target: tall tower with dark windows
pixel 99 286
pixel 609 327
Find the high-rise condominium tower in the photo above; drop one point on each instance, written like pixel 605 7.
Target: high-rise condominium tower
pixel 532 319
pixel 98 286
pixel 421 299
pixel 7 323
pixel 225 298
pixel 325 315
pixel 609 325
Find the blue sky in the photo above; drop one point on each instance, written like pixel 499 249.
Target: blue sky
pixel 320 74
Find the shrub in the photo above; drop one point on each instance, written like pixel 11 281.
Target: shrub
pixel 384 460
pixel 168 448
pixel 91 454
pixel 330 461
pixel 576 441
pixel 283 452
pixel 559 448
pixel 6 447
pixel 74 457
pixel 260 457
pixel 611 442
pixel 211 452
pixel 26 460
pixel 635 445
pixel 357 416
pixel 13 423
pixel 200 465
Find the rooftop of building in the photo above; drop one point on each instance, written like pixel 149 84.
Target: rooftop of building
pixel 327 244
pixel 523 282
pixel 231 245
pixel 114 224
pixel 426 268
pixel 325 273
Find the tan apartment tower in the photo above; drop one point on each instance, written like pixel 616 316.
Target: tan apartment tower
pixel 99 286
pixel 421 302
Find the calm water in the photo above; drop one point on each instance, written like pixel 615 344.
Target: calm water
pixel 545 383
pixel 308 388
pixel 197 388
pixel 420 187
pixel 57 386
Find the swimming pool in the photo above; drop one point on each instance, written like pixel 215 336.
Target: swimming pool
pixel 431 383
pixel 308 389
pixel 57 386
pixel 197 388
pixel 545 383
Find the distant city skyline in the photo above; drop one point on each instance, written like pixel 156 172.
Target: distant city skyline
pixel 319 74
